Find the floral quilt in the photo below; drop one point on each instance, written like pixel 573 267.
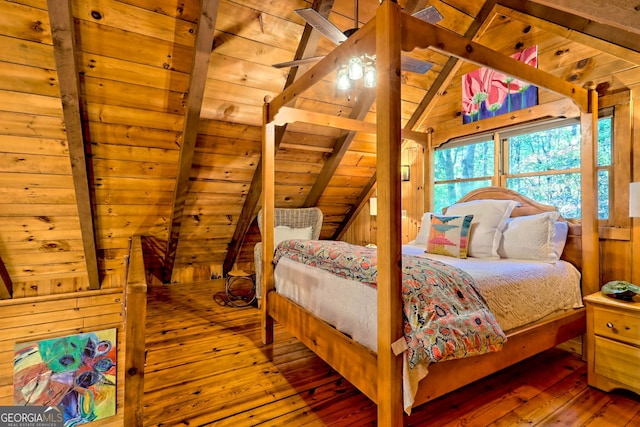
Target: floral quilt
pixel 445 316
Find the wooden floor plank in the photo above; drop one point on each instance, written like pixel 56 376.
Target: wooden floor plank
pixel 206 366
pixel 547 402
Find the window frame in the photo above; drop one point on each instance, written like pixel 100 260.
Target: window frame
pixel 501 155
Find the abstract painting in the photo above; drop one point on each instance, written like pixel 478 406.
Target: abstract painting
pixel 77 372
pixel 489 93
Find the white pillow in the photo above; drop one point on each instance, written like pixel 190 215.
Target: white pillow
pixel 423 235
pixel 284 232
pixel 562 230
pixel 489 219
pixel 534 237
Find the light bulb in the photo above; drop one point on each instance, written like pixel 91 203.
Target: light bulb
pixel 343 79
pixel 355 68
pixel 369 75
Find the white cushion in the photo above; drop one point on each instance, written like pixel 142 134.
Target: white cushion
pixel 423 235
pixel 284 232
pixel 538 237
pixel 562 230
pixel 489 219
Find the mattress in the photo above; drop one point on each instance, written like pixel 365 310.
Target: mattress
pixel 518 293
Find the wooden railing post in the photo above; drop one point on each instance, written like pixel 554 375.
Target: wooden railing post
pixel 135 314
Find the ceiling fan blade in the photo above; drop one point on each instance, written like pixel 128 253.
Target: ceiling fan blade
pixel 322 25
pixel 413 65
pixel 297 62
pixel 429 14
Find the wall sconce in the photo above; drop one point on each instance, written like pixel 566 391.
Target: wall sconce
pixel 634 200
pixel 373 206
pixel 405 173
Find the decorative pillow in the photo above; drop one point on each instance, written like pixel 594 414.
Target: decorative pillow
pixel 284 232
pixel 532 237
pixel 449 235
pixel 423 234
pixel 489 219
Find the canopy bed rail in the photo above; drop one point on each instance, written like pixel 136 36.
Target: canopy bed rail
pixel 379 376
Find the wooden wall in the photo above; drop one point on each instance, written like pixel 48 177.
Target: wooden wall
pixel 32 319
pixel 40 238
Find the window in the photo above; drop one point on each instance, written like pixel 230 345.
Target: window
pixel 545 166
pixel 461 169
pixel 542 162
pixel 605 149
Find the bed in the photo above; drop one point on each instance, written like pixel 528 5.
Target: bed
pixel 519 288
pixel 379 374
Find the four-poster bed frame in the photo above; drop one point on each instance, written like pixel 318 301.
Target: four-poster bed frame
pixel 379 376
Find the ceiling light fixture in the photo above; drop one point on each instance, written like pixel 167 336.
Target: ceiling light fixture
pixel 321 24
pixel 359 67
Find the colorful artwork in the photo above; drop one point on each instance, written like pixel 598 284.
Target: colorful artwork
pixel 77 372
pixel 489 93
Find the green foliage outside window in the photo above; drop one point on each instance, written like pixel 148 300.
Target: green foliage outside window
pixel 543 165
pixel 462 169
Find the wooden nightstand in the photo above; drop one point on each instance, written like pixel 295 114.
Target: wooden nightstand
pixel 613 343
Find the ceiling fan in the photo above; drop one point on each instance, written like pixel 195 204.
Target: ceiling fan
pixel 333 33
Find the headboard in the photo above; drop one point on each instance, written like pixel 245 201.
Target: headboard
pixel 572 249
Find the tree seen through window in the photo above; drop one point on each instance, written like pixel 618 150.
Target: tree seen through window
pixel 544 165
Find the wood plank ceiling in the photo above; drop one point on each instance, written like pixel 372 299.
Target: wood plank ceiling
pixel 125 117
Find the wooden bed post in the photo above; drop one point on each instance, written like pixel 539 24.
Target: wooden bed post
pixel 388 140
pixel 427 173
pixel 589 189
pixel 268 195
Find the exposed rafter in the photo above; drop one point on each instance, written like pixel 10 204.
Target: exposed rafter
pixel 306 48
pixel 351 216
pixel 620 14
pixel 199 68
pixel 616 41
pixel 64 42
pixel 6 285
pixel 340 148
pixel 450 43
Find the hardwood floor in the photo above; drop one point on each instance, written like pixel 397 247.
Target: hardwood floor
pixel 206 366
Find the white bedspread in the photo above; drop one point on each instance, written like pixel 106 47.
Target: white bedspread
pixel 518 292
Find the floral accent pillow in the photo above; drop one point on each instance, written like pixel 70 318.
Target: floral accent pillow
pixel 449 235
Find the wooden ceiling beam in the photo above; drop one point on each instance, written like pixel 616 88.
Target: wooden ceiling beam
pixel 451 67
pixel 450 43
pixel 340 148
pixel 306 48
pixel 6 285
pixel 608 38
pixel 64 45
pixel 199 69
pixel 351 216
pixel 620 14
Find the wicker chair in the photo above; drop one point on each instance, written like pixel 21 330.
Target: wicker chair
pixel 294 218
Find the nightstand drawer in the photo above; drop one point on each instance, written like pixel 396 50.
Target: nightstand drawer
pixel 616 324
pixel 618 362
